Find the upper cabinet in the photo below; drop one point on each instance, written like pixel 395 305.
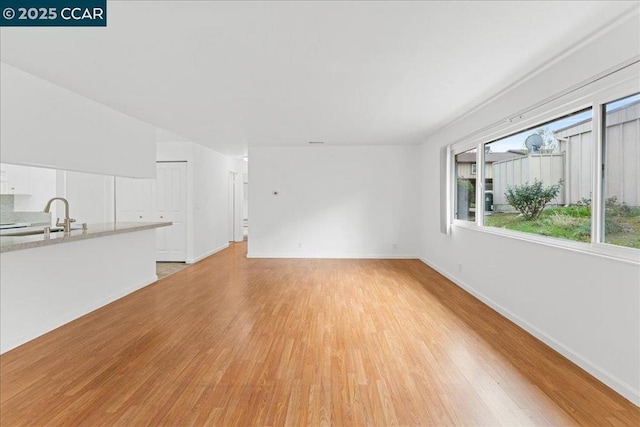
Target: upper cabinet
pixel 14 180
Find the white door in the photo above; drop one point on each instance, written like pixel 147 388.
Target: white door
pixel 170 195
pixel 235 207
pixel 158 200
pixel 231 203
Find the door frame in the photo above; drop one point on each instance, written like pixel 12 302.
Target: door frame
pixel 186 209
pixel 234 207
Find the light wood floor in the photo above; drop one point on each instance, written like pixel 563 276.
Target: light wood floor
pixel 236 341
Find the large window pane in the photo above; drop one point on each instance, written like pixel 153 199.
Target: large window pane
pixel 465 194
pixel 539 180
pixel 621 177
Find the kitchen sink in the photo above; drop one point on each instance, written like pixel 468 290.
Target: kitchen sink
pixel 31 232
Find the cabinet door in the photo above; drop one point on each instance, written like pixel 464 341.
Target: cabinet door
pixel 134 200
pixel 15 179
pixel 158 200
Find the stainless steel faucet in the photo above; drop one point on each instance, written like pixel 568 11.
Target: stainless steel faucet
pixel 67 221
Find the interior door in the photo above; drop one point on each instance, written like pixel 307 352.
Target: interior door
pixel 231 203
pixel 170 195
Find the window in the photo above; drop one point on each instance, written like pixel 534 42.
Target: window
pixel 573 181
pixel 540 180
pixel 465 183
pixel 621 172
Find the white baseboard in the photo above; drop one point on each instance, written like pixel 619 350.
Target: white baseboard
pixel 68 317
pixel 207 254
pixel 611 381
pixel 332 256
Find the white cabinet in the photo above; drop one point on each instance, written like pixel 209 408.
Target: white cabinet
pixel 158 200
pixel 14 179
pixel 134 200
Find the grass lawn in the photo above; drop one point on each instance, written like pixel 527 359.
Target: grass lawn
pixel 574 223
pixel 631 238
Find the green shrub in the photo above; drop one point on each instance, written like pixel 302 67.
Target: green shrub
pixel 611 226
pixel 613 208
pixel 584 202
pixel 583 231
pixel 530 199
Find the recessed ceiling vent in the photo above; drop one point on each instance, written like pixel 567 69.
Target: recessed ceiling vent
pixel 316 142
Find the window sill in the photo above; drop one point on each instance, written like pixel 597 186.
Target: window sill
pixel 617 253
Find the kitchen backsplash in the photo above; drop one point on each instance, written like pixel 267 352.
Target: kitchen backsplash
pixel 8 214
pixel 6 208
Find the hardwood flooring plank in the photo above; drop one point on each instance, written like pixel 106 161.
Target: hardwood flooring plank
pixel 232 341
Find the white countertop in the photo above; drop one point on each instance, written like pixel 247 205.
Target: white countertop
pixel 16 243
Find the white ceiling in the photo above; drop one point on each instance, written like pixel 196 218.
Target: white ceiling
pixel 232 74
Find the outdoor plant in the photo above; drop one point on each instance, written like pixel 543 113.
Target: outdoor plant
pixel 584 202
pixel 613 208
pixel 530 199
pixel 466 185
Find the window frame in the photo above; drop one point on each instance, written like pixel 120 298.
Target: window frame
pixel 454 181
pixel 592 96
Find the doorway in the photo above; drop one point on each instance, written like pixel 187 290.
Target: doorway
pixel 171 205
pixel 245 206
pixel 235 207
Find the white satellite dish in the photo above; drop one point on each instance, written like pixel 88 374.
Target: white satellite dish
pixel 533 143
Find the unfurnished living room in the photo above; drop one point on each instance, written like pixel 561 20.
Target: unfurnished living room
pixel 315 213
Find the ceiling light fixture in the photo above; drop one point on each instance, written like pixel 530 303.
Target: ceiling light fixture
pixel 316 142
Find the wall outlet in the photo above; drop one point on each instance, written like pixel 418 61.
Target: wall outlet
pixel 460 267
pixel 394 246
pixel 299 245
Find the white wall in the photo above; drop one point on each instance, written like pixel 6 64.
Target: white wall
pixel 211 175
pixel 207 197
pixel 333 202
pixel 42 124
pixel 619 43
pixel 585 306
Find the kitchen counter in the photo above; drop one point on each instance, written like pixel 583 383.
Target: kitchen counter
pixel 50 283
pixel 16 243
